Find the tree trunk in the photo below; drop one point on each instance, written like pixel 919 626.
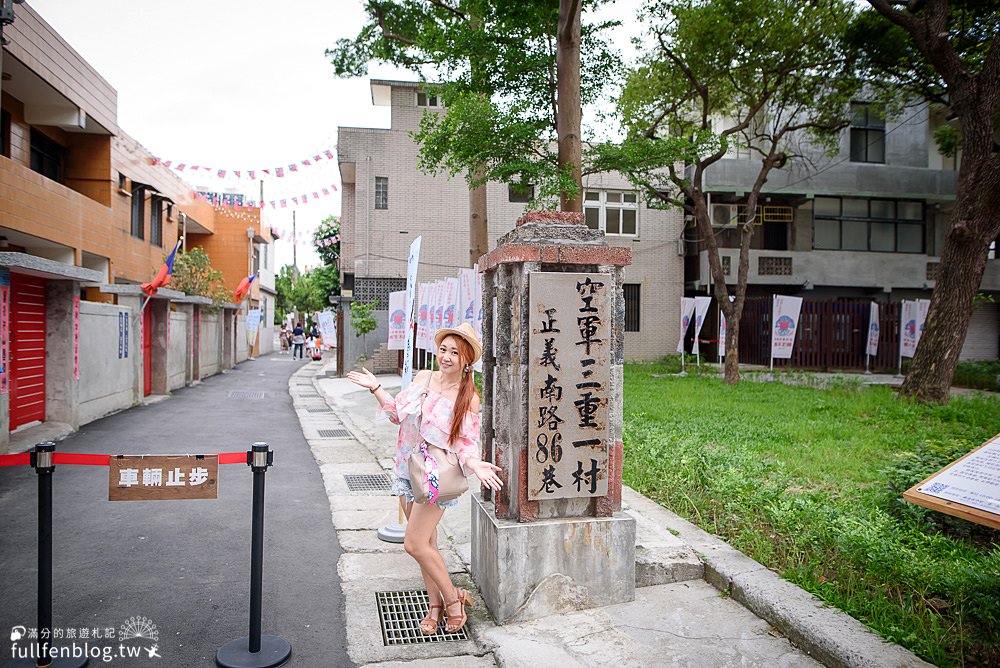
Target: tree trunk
pixel 732 368
pixel 568 87
pixel 478 223
pixel 974 224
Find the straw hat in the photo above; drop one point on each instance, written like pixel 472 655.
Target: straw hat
pixel 466 332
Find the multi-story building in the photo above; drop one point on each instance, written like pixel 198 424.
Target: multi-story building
pixel 866 224
pixel 388 202
pixel 86 215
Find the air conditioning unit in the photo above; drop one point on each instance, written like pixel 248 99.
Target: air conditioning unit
pixel 723 215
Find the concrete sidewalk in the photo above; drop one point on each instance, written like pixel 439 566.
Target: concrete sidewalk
pixel 698 601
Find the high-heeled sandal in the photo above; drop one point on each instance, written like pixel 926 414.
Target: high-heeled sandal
pixel 429 624
pixel 465 599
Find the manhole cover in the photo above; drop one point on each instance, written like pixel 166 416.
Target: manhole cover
pixel 334 433
pixel 400 612
pixel 367 482
pixel 247 395
pixel 317 410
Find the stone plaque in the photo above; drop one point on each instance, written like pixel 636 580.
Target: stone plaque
pixel 569 357
pixel 163 477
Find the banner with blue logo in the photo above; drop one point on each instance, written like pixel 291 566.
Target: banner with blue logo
pixel 701 305
pixel 423 310
pixel 913 316
pixel 687 312
pixel 873 331
pixel 397 320
pixel 785 316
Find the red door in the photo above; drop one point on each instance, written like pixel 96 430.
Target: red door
pixel 27 350
pixel 147 352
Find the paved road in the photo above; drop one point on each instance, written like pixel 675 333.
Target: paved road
pixel 184 565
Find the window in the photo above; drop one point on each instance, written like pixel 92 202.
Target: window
pixel 122 184
pixel 882 225
pixel 155 221
pixel 256 259
pixel 519 193
pixel 613 212
pixel 138 210
pixel 867 133
pixel 427 100
pixel 632 307
pixel 46 156
pixel 381 192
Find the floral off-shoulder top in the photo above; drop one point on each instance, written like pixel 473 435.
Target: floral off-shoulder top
pixel 434 426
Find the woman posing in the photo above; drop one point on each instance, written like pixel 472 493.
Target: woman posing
pixel 440 408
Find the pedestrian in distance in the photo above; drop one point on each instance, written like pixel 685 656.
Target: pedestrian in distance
pixel 438 409
pixel 283 338
pixel 298 340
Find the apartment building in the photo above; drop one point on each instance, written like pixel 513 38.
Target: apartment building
pixel 86 215
pixel 867 224
pixel 388 202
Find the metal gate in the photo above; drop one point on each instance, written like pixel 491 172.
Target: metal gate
pixel 27 350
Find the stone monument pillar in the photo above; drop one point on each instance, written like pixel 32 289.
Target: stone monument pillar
pixel 554 539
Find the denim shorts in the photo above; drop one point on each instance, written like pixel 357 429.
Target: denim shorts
pixel 402 487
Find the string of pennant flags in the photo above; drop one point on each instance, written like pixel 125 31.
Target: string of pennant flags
pixel 250 174
pixel 238 201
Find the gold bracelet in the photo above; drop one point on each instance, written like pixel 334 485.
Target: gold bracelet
pixel 376 388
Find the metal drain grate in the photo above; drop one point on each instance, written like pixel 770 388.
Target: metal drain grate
pixel 334 433
pixel 400 612
pixel 247 395
pixel 367 482
pixel 317 410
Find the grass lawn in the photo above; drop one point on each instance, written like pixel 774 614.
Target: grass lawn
pixel 809 481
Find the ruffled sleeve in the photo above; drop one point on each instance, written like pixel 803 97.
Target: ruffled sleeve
pixel 467 444
pixel 403 405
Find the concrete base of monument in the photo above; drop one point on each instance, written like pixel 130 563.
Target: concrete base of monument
pixel 532 570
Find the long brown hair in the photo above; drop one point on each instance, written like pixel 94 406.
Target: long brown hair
pixel 466 388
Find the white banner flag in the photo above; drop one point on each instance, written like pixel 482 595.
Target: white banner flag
pixel 701 305
pixel 412 263
pixel 913 315
pixel 327 327
pixel 722 334
pixel 467 296
pixel 477 308
pixel 873 331
pixel 687 310
pixel 785 316
pixel 422 316
pixel 397 320
pixel 450 303
pixel 253 324
pixel 439 294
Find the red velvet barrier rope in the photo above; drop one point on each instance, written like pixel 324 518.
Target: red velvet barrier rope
pixel 81 459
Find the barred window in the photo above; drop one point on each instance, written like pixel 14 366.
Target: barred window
pixel 632 307
pixel 381 192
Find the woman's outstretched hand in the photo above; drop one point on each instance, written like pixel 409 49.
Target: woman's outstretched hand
pixel 486 472
pixel 364 378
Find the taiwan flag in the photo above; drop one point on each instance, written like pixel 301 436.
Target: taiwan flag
pixel 244 288
pixel 163 276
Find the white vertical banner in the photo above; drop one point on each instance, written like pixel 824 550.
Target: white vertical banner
pixel 450 303
pixel 327 328
pixel 873 331
pixel 687 311
pixel 253 324
pixel 422 316
pixel 412 263
pixel 923 305
pixel 477 309
pixel 722 334
pixel 438 312
pixel 908 328
pixel 467 297
pixel 397 320
pixel 785 316
pixel 701 305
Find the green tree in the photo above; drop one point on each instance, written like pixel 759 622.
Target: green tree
pixel 310 293
pixel 768 75
pixel 194 275
pixel 946 52
pixel 494 63
pixel 326 238
pixel 363 322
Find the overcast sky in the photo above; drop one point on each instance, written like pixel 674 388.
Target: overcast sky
pixel 234 84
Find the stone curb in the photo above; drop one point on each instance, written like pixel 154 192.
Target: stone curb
pixel 830 636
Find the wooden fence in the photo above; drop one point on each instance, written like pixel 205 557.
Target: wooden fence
pixel 831 335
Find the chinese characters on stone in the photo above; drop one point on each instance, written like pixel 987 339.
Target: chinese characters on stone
pixel 568 383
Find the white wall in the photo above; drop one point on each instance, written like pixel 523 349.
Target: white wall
pixel 105 378
pixel 180 337
pixel 211 340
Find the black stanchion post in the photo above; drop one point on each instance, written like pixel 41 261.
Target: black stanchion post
pixel 41 656
pixel 256 650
